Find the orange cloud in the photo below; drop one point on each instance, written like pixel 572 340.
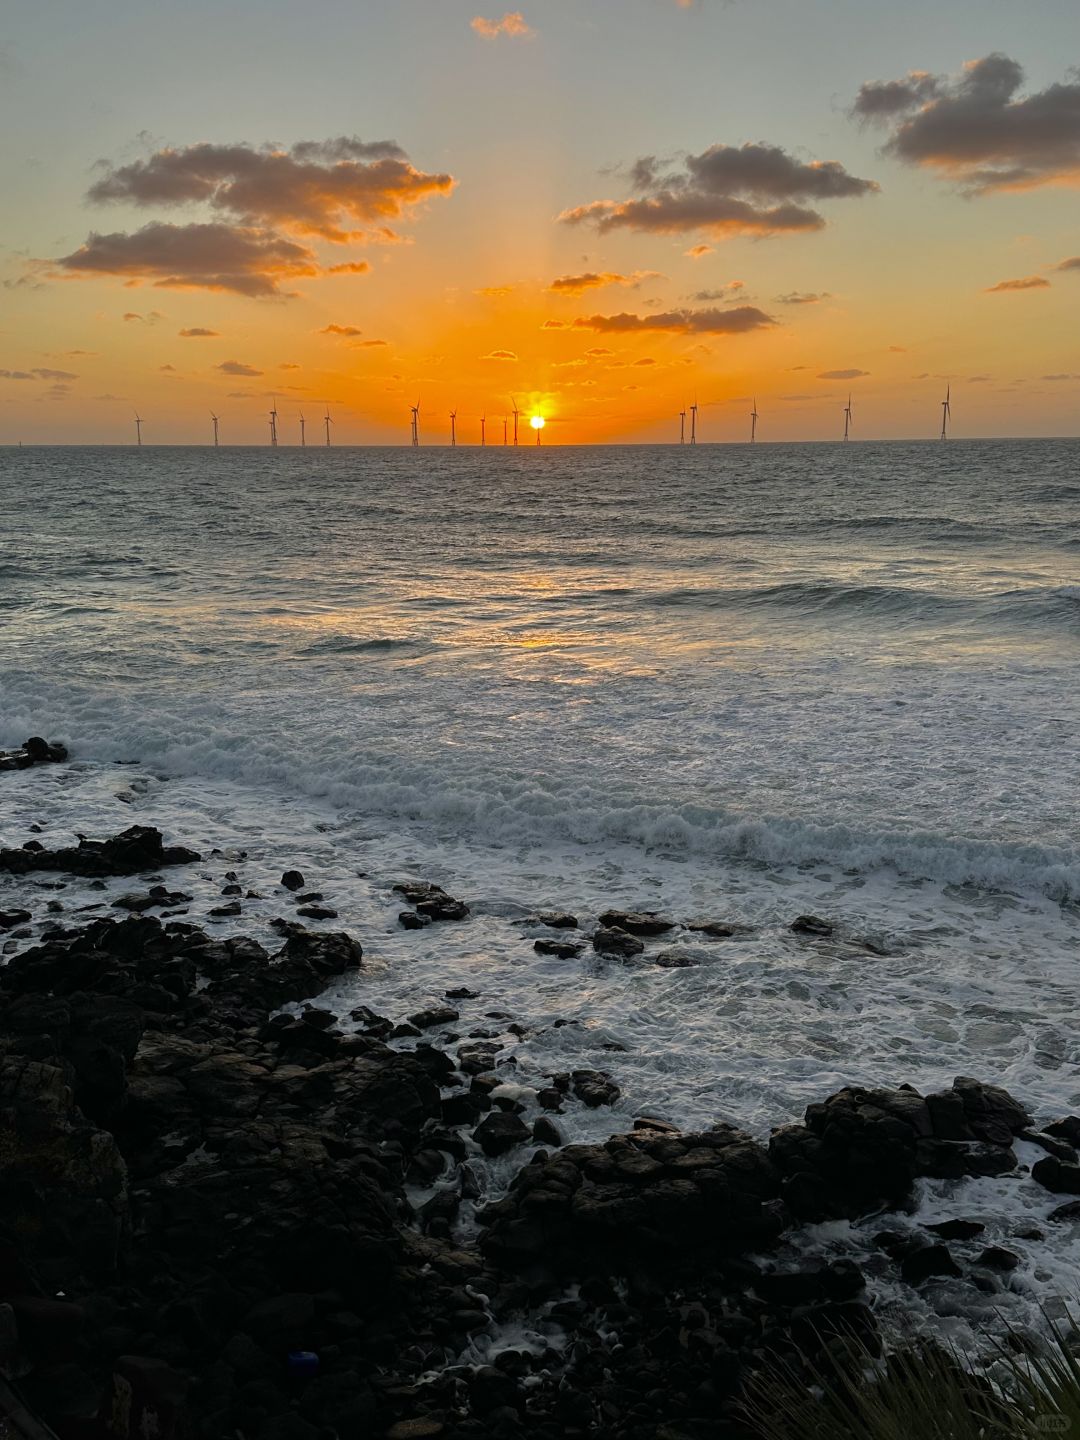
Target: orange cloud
pixel 237 367
pixel 512 24
pixel 198 332
pixel 593 280
pixel 348 330
pixel 499 355
pixel 737 321
pixel 1029 282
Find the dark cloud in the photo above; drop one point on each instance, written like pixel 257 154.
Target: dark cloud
pixel 38 374
pixel 1073 263
pixel 752 189
pixel 685 322
pixel 1029 282
pixel 194 257
pixel 802 297
pixel 198 332
pixel 976 129
pixel 237 367
pixel 339 330
pixel 842 374
pixel 595 279
pixel 316 187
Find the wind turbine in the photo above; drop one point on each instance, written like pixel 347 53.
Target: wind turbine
pixel 138 429
pixel 516 412
pixel 693 423
pixel 273 421
pixel 327 422
pixel 946 412
pixel 214 418
pixel 753 422
pixel 416 423
pixel 453 427
pixel 682 427
pixel 505 441
pixel 847 419
pixel 303 431
pixel 483 430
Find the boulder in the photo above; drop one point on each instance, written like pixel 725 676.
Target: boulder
pixel 617 942
pixel 636 922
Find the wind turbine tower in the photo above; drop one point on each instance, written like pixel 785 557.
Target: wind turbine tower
pixel 214 418
pixel 847 419
pixel 453 427
pixel 505 440
pixel 327 422
pixel 946 413
pixel 753 422
pixel 273 421
pixel 483 431
pixel 516 413
pixel 693 423
pixel 138 430
pixel 416 423
pixel 682 427
pixel 303 431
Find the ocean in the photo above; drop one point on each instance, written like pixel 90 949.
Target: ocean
pixel 737 683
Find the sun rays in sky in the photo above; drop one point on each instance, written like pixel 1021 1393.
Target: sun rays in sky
pixel 602 207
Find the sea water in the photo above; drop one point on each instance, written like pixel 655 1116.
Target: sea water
pixel 737 683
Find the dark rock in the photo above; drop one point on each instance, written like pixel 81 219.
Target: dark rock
pixel 812 925
pixel 1067 1128
pixel 432 901
pixel 557 920
pixel 1057 1176
pixel 995 1257
pixel 436 1015
pixel 546 1132
pixel 292 880
pixel 1069 1211
pixel 499 1132
pixel 617 942
pixel 676 960
pixel 926 1261
pixel 1052 1144
pixel 461 992
pixel 317 912
pixel 133 850
pixel 957 1229
pixel 593 1088
pixel 718 929
pixel 564 949
pixel 10 918
pixel 635 922
pixel 232 908
pixel 409 920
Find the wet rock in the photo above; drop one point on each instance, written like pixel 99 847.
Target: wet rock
pixel 927 1261
pixel 409 920
pixel 1052 1144
pixel 1058 1176
pixel 223 911
pixel 317 912
pixel 1067 1128
pixel 499 1132
pixel 461 992
pixel 557 920
pixel 593 1088
pixel 636 922
pixel 436 1015
pixel 138 848
pixel 812 925
pixel 563 949
pixel 718 929
pixel 34 751
pixel 432 901
pixel 957 1229
pixel 546 1132
pixel 292 880
pixel 617 942
pixel 676 960
pixel 1070 1211
pixel 10 918
pixel 996 1257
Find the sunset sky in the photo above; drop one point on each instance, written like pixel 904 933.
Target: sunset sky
pixel 606 208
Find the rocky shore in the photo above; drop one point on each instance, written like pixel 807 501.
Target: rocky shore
pixel 226 1210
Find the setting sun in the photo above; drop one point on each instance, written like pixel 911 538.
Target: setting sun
pixel 537 422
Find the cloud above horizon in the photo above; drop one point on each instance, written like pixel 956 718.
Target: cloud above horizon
pixel 738 321
pixel 753 189
pixel 1028 282
pixel 595 279
pixel 237 367
pixel 267 204
pixel 511 25
pixel 975 129
pixel 198 332
pixel 842 374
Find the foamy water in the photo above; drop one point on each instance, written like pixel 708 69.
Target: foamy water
pixel 727 683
